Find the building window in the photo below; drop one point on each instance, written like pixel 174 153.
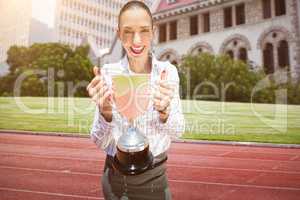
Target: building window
pixel 243 55
pixel 240 14
pixel 201 48
pixel 206 22
pixel 268 57
pixel 280 7
pixel 266 4
pixel 236 47
pixel 162 33
pixel 283 54
pixel 171 57
pixel 230 54
pixel 227 17
pixel 173 30
pixel 275 48
pixel 171 1
pixel 194 25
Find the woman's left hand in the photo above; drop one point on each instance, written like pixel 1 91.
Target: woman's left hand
pixel 162 99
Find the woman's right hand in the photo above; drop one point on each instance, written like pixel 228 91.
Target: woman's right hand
pixel 100 94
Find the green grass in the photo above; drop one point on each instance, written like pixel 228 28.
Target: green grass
pixel 204 120
pixel 69 115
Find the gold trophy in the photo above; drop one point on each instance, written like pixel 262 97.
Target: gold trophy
pixel 132 99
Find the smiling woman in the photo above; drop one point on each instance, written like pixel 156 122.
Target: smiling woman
pixel 135 30
pixel 44 11
pixel 161 122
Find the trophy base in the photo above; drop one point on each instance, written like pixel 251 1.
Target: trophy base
pixel 133 163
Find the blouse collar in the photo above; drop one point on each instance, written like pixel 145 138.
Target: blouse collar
pixel 154 64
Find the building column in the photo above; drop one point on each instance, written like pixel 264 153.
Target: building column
pixel 200 23
pixel 168 31
pixel 295 53
pixel 183 27
pixel 233 11
pixel 236 53
pixel 272 8
pixel 276 56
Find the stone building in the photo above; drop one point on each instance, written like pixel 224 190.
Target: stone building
pixel 263 33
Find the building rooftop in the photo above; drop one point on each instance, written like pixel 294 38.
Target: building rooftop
pixel 166 9
pixel 164 5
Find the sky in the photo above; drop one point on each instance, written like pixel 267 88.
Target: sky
pixel 44 11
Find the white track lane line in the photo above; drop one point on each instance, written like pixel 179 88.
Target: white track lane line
pixel 50 157
pixel 176 165
pixel 245 149
pixel 172 180
pixel 168 165
pixel 236 185
pixel 50 171
pixel 236 169
pixel 249 151
pixel 49 193
pixel 201 156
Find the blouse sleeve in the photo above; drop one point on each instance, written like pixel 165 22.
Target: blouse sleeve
pixel 101 131
pixel 175 124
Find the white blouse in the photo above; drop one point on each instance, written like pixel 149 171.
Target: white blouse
pixel 105 134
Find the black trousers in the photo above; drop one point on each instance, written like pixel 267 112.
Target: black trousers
pixel 150 185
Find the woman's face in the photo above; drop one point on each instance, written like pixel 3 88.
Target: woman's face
pixel 135 32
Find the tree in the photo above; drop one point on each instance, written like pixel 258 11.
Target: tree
pixel 61 62
pixel 220 78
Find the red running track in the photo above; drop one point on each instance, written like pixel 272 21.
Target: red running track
pixel 56 168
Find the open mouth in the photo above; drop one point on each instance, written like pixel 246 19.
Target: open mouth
pixel 137 50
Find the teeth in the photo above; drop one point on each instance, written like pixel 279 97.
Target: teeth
pixel 137 49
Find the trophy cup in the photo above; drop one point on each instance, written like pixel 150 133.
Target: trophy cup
pixel 131 98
